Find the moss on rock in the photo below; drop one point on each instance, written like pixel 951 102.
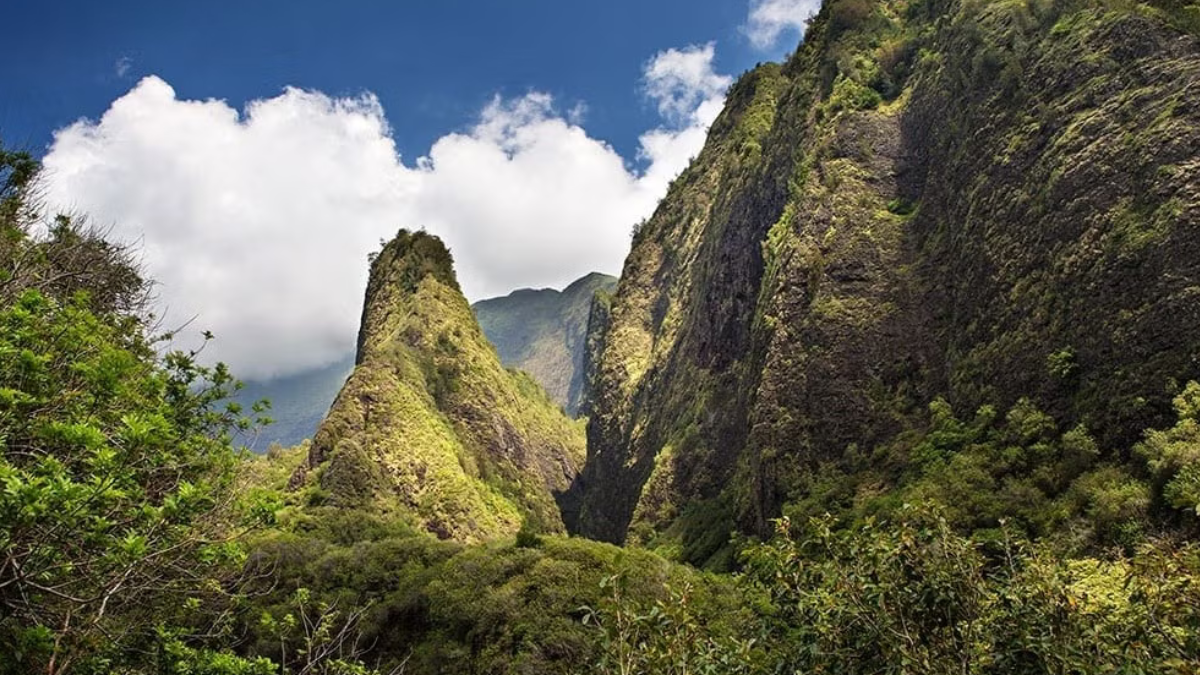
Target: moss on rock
pixel 943 195
pixel 431 428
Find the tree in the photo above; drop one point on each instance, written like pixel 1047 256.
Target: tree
pixel 117 507
pixel 115 482
pixel 71 258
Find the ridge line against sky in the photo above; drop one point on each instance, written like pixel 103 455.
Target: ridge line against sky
pixel 259 221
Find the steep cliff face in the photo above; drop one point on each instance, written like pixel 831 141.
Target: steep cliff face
pixel 969 200
pixel 430 427
pixel 668 380
pixel 544 333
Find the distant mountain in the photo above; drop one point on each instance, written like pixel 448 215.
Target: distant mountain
pixel 430 427
pixel 298 402
pixel 544 332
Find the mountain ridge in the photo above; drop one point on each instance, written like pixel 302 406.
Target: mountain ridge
pixel 544 332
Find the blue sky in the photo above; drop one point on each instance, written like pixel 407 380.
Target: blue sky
pixel 433 65
pixel 256 152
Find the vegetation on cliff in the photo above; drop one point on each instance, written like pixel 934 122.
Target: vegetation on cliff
pixel 934 210
pixel 911 347
pixel 430 427
pixel 118 508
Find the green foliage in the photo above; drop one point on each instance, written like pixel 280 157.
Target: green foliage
pixel 910 596
pixel 121 500
pixel 1020 468
pixel 411 256
pixel 528 536
pixel 1042 544
pixel 1183 14
pixel 848 94
pixel 666 635
pixel 316 637
pixel 755 96
pixel 71 261
pixel 1136 226
pixel 116 466
pixel 178 658
pixel 1173 455
pixel 442 607
pixel 876 599
pixel 1061 363
pixel 902 207
pixel 17 171
pixel 849 15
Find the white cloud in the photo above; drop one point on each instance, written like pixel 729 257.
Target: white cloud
pixel 689 94
pixel 771 19
pixel 260 223
pixel 682 80
pixel 122 66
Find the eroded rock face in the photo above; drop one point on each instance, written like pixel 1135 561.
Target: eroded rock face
pixel 430 427
pixel 1018 215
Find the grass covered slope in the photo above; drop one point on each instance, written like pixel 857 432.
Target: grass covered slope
pixel 430 427
pixel 544 333
pixel 934 208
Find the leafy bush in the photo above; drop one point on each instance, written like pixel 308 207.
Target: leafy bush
pixel 909 595
pixel 443 607
pixel 120 513
pixel 1020 467
pixel 848 15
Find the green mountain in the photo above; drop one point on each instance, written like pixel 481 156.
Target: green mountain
pixel 544 333
pixel 298 402
pixel 541 332
pixel 913 344
pixel 949 252
pixel 430 427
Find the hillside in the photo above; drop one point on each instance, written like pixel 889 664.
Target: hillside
pixel 544 333
pixel 430 427
pixel 936 218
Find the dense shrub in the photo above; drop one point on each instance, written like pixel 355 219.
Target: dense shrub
pixel 443 607
pixel 911 596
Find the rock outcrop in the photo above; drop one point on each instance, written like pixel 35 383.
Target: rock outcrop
pixel 430 427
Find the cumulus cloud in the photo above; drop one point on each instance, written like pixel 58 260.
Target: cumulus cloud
pixel 771 19
pixel 680 81
pixel 689 94
pixel 259 222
